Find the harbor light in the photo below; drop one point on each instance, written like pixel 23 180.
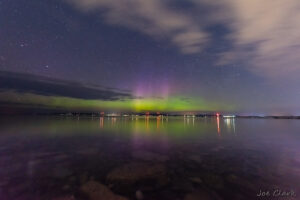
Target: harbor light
pixel 228 116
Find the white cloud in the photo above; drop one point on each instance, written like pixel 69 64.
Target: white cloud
pixel 153 17
pixel 270 28
pixel 265 33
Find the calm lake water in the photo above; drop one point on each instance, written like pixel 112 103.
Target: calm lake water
pixel 148 158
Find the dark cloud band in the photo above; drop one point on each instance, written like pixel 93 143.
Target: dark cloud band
pixel 27 83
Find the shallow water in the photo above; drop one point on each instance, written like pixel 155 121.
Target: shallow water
pixel 148 158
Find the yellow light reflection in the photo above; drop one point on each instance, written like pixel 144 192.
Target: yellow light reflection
pixel 113 121
pixel 230 124
pixel 158 122
pixel 147 122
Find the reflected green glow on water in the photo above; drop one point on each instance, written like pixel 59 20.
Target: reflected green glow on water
pixel 171 126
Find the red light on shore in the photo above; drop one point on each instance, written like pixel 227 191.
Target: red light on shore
pixel 147 113
pixel 101 113
pixel 218 114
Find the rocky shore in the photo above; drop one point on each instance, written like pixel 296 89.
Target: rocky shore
pixel 220 173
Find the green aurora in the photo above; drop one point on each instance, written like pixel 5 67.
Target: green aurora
pixel 170 104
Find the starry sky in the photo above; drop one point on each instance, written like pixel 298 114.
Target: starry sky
pixel 227 56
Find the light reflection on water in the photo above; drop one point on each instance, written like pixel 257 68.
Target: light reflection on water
pixel 232 157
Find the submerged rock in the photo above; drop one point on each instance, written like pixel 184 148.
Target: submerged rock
pixel 196 158
pixel 65 198
pixel 198 195
pixel 83 178
pixel 241 182
pixel 139 195
pixel 98 191
pixel 72 179
pixel 213 181
pixel 149 176
pixel 149 156
pixel 61 172
pixel 66 187
pixel 182 185
pixel 196 180
pixel 3 183
pixel 87 152
pixel 202 194
pixel 19 188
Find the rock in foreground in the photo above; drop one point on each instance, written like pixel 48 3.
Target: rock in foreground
pixel 98 191
pixel 143 175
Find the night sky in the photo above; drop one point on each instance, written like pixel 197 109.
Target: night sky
pixel 227 56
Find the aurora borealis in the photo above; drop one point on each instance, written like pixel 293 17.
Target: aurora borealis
pixel 42 92
pixel 168 56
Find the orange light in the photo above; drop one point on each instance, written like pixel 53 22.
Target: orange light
pixel 218 123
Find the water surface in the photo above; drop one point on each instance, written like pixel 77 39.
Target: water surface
pixel 148 158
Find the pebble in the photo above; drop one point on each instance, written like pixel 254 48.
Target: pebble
pixel 98 191
pixel 139 195
pixel 196 180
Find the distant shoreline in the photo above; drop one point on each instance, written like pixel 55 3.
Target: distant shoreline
pixel 150 115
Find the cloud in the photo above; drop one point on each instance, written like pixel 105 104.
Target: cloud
pixel 152 17
pixel 264 33
pixel 26 83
